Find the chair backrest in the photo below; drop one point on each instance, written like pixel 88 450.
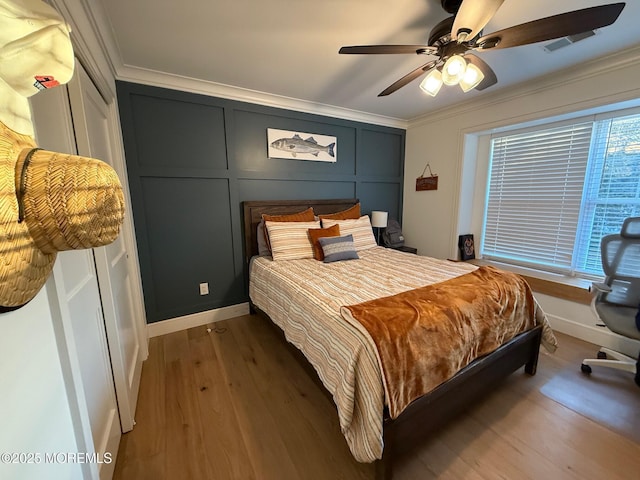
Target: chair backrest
pixel 621 264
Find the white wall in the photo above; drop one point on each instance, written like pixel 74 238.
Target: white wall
pixel 34 406
pixel 432 220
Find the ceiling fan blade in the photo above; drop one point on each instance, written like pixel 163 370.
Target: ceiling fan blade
pixel 549 28
pixel 490 78
pixel 408 78
pixel 472 16
pixel 387 49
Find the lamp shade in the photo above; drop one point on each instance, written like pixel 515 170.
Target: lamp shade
pixel 379 219
pixel 432 83
pixel 453 70
pixel 472 78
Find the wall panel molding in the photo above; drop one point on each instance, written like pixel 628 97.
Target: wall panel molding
pixel 192 159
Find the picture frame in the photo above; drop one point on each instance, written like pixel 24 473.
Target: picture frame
pixel 467 247
pixel 294 145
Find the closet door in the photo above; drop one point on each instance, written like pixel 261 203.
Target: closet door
pixel 95 138
pixel 91 393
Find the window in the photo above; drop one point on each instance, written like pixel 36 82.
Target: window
pixel 555 191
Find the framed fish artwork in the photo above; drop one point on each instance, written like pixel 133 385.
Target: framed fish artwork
pixel 301 146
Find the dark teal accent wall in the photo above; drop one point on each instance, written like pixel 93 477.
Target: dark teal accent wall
pixel 191 161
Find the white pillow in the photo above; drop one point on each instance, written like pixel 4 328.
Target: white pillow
pixel 361 230
pixel 290 240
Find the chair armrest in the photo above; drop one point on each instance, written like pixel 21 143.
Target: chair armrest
pixel 600 287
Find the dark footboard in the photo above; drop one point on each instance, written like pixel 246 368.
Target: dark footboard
pixel 432 411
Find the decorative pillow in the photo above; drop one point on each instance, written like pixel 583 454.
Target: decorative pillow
pixel 290 240
pixel 338 248
pixel 263 246
pixel 303 216
pixel 316 233
pixel 352 213
pixel 361 230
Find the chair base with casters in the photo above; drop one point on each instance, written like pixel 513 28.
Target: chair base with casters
pixel 620 362
pixel 616 300
pixel 620 320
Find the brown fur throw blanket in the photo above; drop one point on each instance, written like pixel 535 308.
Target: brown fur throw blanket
pixel 424 336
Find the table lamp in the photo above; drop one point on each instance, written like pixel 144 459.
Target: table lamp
pixel 378 221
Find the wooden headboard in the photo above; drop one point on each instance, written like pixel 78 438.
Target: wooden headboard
pixel 252 214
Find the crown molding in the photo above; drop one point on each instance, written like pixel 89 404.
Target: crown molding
pixel 96 48
pixel 593 68
pixel 193 85
pixel 88 44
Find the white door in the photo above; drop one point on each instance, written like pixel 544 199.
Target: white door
pixel 77 288
pixel 92 124
pixel 78 298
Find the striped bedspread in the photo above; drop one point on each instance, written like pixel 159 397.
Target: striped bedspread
pixel 303 297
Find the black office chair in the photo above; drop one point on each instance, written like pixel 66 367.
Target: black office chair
pixel 617 299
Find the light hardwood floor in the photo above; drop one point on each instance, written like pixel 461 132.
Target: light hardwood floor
pixel 234 404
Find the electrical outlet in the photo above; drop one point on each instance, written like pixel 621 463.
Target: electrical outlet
pixel 204 288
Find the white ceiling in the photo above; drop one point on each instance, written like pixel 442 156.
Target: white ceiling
pixel 289 48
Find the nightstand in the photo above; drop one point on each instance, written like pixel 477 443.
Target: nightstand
pixel 404 248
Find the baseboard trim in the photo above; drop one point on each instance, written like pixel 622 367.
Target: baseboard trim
pixel 597 335
pixel 600 336
pixel 195 320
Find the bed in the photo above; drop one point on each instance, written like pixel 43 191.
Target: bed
pixel 351 369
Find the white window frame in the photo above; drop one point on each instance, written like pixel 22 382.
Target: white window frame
pixel 485 159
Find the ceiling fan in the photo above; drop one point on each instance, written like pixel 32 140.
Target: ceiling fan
pixel 452 41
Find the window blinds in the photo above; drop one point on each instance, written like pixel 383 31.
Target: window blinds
pixel 555 191
pixel 534 197
pixel 612 187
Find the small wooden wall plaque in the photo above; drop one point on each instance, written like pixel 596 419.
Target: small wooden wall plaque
pixel 427 183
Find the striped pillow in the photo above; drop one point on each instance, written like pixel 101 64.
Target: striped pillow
pixel 304 216
pixel 361 230
pixel 336 249
pixel 290 240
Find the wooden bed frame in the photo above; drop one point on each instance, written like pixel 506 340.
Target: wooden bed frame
pixel 433 410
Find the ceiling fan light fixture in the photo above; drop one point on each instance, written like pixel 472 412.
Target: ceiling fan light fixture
pixel 432 83
pixel 452 38
pixel 453 70
pixel 471 78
